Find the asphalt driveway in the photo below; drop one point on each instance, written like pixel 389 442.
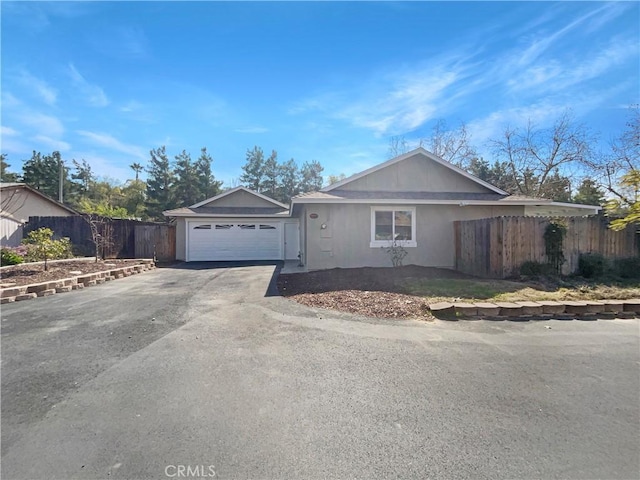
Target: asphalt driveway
pixel 196 371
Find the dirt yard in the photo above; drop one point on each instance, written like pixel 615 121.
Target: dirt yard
pixel 28 273
pixel 373 292
pixel 405 292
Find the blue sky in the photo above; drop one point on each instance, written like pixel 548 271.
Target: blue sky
pixel 331 81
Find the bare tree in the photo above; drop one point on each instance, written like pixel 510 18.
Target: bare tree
pixel 453 145
pixel 623 160
pixel 542 161
pixel 398 145
pixel 101 234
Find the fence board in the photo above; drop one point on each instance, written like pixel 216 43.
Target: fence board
pixel 497 247
pixel 122 233
pixel 155 241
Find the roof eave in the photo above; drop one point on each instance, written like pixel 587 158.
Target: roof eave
pixel 233 190
pixel 37 192
pixel 226 215
pixel 420 201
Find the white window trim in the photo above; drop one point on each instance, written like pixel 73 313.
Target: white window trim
pixel 387 243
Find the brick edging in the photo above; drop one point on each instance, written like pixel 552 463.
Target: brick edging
pixel 44 289
pixel 543 309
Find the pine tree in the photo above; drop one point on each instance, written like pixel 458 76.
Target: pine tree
pixel 253 169
pixel 159 184
pixel 289 181
pixel 207 184
pixel 43 174
pixel 6 176
pixel 311 176
pixel 589 193
pixel 83 175
pixel 186 187
pixel 270 176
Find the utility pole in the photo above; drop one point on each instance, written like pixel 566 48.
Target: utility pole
pixel 60 182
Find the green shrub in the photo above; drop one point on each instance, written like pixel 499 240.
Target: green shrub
pixel 41 246
pixel 592 265
pixel 10 257
pixel 534 269
pixel 627 267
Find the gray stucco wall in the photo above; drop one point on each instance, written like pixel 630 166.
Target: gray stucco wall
pixel 416 174
pixel 181 239
pixel 345 241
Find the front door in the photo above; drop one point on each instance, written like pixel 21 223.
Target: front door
pixel 291 241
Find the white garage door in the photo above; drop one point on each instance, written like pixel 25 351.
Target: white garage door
pixel 219 241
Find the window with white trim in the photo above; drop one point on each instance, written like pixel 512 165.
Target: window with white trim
pixel 393 223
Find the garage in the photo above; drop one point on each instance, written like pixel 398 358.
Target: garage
pixel 238 224
pixel 221 241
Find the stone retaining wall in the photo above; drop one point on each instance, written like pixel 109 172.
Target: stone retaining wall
pixel 541 309
pixel 44 289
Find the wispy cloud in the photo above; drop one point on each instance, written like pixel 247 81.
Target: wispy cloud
pixel 392 103
pixel 10 100
pixel 41 88
pixel 8 131
pixel 556 74
pixel 131 106
pixel 112 143
pixel 93 94
pixel 538 72
pixel 542 42
pixel 52 143
pixel 11 141
pixel 42 124
pixel 37 16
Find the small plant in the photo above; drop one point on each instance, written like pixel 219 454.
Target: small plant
pixel 397 253
pixel 42 247
pixel 9 256
pixel 591 265
pixel 535 269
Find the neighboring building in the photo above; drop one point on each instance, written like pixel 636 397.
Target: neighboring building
pixel 413 198
pixel 18 202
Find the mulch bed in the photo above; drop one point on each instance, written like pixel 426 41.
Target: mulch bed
pixel 372 292
pixel 26 273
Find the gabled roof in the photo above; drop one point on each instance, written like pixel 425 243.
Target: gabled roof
pixel 233 190
pixel 24 186
pixel 207 207
pixel 406 156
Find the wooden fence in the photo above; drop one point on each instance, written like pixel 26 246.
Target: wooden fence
pixel 497 247
pixel 155 241
pixel 121 232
